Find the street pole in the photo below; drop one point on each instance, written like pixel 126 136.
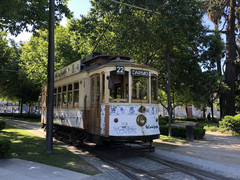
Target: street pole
pixel 169 97
pixel 50 85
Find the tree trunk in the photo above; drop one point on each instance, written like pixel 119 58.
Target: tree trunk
pixel 204 113
pixel 186 110
pixel 230 74
pixel 21 107
pixel 219 70
pixel 212 108
pixel 29 110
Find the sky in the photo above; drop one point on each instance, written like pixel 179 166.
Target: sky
pixel 79 7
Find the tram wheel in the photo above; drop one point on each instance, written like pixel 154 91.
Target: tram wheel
pixel 78 138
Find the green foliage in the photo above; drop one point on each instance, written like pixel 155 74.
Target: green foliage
pixel 163 120
pixel 34 117
pixel 5 146
pixel 14 84
pixel 2 125
pixel 30 15
pixel 181 132
pixel 194 119
pixel 199 133
pixel 231 123
pixel 34 56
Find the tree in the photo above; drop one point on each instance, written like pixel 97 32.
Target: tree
pixel 34 56
pixel 14 84
pixel 229 10
pixel 7 65
pixel 30 15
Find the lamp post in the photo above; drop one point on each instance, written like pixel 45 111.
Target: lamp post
pixel 50 85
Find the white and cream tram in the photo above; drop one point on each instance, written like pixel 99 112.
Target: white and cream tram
pixel 107 98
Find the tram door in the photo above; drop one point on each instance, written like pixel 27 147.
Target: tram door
pixel 94 124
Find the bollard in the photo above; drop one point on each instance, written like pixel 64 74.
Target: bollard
pixel 189 133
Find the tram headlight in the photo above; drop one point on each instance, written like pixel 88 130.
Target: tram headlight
pixel 141 120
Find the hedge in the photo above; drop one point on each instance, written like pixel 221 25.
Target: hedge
pixel 181 132
pixel 231 123
pixel 30 116
pixel 194 119
pixel 2 125
pixel 5 146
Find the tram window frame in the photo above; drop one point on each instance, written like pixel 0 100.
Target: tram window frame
pixel 55 97
pixel 103 87
pixel 140 100
pixel 92 90
pixel 154 97
pixel 122 94
pixel 69 90
pixel 64 96
pixel 59 96
pixel 75 92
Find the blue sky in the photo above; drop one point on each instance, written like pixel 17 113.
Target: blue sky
pixel 79 7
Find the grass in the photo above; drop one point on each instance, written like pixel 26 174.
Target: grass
pixel 172 139
pixel 28 146
pixel 167 143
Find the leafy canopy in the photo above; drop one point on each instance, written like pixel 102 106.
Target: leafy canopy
pixel 30 15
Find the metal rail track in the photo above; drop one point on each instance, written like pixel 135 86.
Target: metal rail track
pixel 129 171
pixel 197 173
pixel 115 157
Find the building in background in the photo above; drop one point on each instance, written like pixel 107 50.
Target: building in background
pixel 180 111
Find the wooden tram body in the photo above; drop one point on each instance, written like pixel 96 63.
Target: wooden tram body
pixel 107 98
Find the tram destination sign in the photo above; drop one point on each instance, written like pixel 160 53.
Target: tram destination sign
pixel 135 72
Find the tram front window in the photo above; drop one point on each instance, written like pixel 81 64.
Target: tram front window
pixel 119 87
pixel 140 88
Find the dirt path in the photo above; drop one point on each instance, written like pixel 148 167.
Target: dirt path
pixel 216 147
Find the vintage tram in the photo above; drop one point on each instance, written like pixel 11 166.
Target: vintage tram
pixel 104 99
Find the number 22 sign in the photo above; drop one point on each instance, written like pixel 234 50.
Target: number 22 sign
pixel 120 70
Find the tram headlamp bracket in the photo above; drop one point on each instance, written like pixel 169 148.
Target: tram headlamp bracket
pixel 142 109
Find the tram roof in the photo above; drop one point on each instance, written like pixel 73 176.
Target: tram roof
pixel 97 60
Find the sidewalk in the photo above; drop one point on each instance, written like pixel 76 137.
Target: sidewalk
pixel 18 169
pixel 217 152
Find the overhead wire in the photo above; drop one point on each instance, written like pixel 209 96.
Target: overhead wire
pixel 136 7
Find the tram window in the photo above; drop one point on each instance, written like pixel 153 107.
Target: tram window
pixel 59 99
pixel 154 88
pixel 92 91
pixel 76 86
pixel 103 87
pixel 64 96
pixel 119 90
pixel 76 94
pixel 140 88
pixel 98 88
pixel 69 96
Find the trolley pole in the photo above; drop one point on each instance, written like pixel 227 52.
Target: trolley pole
pixel 50 84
